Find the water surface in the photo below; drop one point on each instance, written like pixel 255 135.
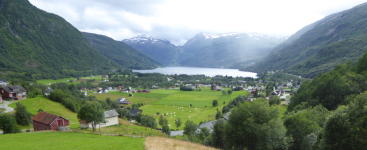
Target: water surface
pixel 201 71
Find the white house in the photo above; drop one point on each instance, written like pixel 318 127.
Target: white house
pixel 3 82
pixel 111 117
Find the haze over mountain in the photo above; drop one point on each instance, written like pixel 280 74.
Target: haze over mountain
pixel 320 46
pixel 231 50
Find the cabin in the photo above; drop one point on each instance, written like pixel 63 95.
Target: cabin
pixel 15 92
pixel 155 87
pixel 110 116
pixel 123 101
pixel 48 91
pixel 3 83
pixel 47 121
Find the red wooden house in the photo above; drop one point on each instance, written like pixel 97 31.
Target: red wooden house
pixel 46 121
pixel 120 87
pixel 252 92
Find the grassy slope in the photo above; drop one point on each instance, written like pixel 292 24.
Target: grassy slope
pixel 60 140
pixel 41 102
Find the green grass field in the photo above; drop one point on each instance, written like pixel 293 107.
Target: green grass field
pixel 50 81
pixel 282 108
pixel 169 101
pixel 65 140
pixel 41 102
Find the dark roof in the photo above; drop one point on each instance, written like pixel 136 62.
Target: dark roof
pixel 124 102
pixel 14 88
pixel 45 117
pixel 134 111
pixel 3 80
pixel 49 90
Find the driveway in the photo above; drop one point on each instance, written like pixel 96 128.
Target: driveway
pixel 174 133
pixel 5 105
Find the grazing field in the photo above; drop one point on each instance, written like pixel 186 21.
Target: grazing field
pixel 153 143
pixel 133 100
pixel 50 81
pixel 69 140
pixel 40 102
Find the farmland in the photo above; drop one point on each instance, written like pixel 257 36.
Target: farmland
pixel 65 140
pixel 175 103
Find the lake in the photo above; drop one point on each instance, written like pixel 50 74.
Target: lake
pixel 199 71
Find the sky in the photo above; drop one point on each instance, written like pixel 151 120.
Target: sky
pixel 180 20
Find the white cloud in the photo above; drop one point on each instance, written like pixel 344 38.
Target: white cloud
pixel 179 20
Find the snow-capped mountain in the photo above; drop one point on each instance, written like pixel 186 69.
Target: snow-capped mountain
pixel 143 39
pixel 229 50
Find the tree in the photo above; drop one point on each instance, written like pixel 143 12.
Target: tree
pixel 138 117
pixel 346 128
pixel 204 132
pixel 218 115
pixel 8 124
pixel 229 92
pixel 91 112
pixel 178 122
pixel 148 121
pixel 225 109
pixel 218 134
pixel 224 92
pixel 166 130
pixel 190 127
pixel 255 94
pixel 255 125
pixel 108 100
pixel 22 116
pixel 215 103
pixel 274 100
pixel 161 121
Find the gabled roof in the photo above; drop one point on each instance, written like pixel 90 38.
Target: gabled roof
pixel 45 117
pixel 49 90
pixel 134 111
pixel 14 88
pixel 110 113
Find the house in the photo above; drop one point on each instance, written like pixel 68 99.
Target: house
pixel 177 84
pixel 48 91
pixel 133 91
pixel 124 91
pixel 15 92
pixel 287 90
pixel 47 121
pixel 289 85
pixel 110 116
pixel 109 88
pixel 224 85
pixel 285 85
pixel 146 91
pixel 133 112
pixel 120 87
pixel 252 92
pixel 99 88
pixel 99 91
pixel 3 83
pixel 104 91
pixel 123 101
pixel 138 91
pixel 155 87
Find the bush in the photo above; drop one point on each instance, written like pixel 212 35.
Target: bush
pixel 215 103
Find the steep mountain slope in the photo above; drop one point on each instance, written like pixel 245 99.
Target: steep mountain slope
pixel 161 50
pixel 120 52
pixel 34 40
pixel 335 39
pixel 231 50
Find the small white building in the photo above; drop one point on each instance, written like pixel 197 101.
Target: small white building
pixel 111 117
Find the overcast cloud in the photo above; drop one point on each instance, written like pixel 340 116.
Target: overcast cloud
pixel 180 20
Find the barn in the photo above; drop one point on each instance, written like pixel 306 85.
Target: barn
pixel 47 121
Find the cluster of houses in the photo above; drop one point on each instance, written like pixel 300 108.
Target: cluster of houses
pixel 135 91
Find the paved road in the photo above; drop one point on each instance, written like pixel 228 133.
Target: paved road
pixel 7 108
pixel 174 133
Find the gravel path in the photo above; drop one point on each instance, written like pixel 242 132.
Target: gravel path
pixel 7 108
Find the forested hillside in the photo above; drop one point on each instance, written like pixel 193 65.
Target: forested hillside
pixel 32 40
pixel 333 40
pixel 120 52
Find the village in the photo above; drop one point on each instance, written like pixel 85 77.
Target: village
pixel 155 100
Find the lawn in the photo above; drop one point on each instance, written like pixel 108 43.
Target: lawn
pixel 127 128
pixel 69 140
pixel 282 108
pixel 49 81
pixel 114 97
pixel 41 102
